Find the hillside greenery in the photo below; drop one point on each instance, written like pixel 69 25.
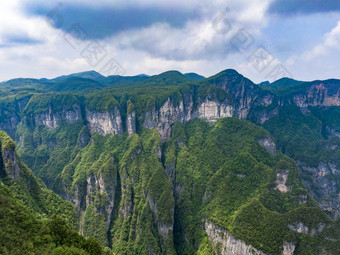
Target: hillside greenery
pixel 136 195
pixel 33 219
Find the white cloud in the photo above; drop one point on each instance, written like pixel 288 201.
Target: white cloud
pixel 330 43
pixel 157 47
pixel 193 47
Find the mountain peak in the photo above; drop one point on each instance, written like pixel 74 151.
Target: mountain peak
pixel 93 75
pixel 194 76
pixel 170 72
pixel 169 77
pixel 230 72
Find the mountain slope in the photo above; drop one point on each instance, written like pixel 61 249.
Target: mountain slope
pixel 92 75
pixel 229 175
pixel 140 196
pixel 194 76
pixel 25 206
pixel 128 154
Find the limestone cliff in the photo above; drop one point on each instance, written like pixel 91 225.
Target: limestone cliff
pixel 8 158
pixel 52 119
pixel 164 118
pixel 131 123
pixel 225 244
pixel 319 93
pixel 245 94
pixel 322 184
pixel 109 122
pixel 10 115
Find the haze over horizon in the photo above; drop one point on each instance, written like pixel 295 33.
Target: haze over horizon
pixel 46 40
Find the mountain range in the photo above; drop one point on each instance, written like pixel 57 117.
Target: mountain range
pixel 170 164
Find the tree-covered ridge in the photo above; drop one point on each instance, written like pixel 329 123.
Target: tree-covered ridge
pixel 92 81
pixel 30 190
pixel 33 219
pixel 126 186
pixel 23 233
pixel 136 188
pixel 43 148
pixel 223 175
pixel 129 199
pixel 288 87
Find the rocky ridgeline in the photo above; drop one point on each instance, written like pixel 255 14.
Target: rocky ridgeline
pixel 246 101
pixel 245 98
pixel 225 244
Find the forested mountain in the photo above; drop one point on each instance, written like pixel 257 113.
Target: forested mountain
pixel 175 163
pixel 33 219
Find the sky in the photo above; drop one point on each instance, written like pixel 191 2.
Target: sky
pixel 261 39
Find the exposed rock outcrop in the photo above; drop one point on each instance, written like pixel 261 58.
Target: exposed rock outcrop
pixel 163 230
pixel 52 119
pixel 9 123
pixel 131 123
pixel 319 94
pixel 244 94
pixel 301 228
pixel 322 183
pixel 10 163
pixel 269 145
pixel 288 249
pixel 164 118
pixel 101 195
pixel 105 122
pixel 281 179
pixel 225 244
pixel 213 110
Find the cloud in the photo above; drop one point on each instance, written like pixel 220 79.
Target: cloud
pixel 105 21
pixel 194 41
pixel 14 40
pixel 152 36
pixel 174 30
pixel 330 44
pixel 294 7
pixel 107 18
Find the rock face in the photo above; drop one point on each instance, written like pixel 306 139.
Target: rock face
pixel 325 93
pixel 214 110
pixel 109 122
pixel 225 244
pixel 323 185
pixel 288 249
pixel 301 228
pixel 269 145
pixel 9 123
pixel 245 94
pixel 164 118
pixel 8 159
pixel 94 196
pixel 97 186
pixel 10 115
pixel 10 163
pixel 52 119
pixel 131 123
pixel 105 122
pixel 281 179
pixel 163 230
